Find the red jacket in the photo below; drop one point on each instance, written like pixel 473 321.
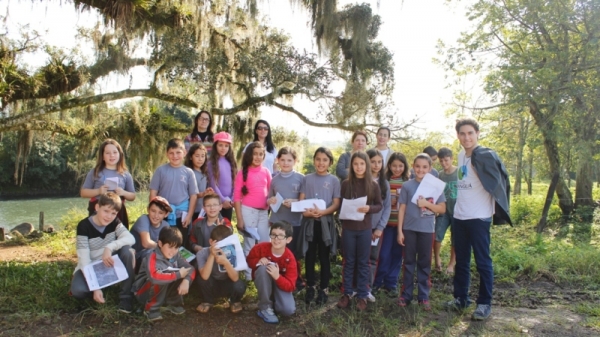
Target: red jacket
pixel 286 262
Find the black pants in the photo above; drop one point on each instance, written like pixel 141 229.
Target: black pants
pixel 317 246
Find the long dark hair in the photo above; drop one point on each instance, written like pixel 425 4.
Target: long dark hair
pixel 397 156
pixel 380 178
pixel 354 181
pixel 188 157
pixel 214 162
pixel 209 137
pixel 247 159
pixel 269 140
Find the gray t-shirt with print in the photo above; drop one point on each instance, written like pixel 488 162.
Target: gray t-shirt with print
pixel 415 218
pixel 324 187
pixel 202 257
pixel 289 188
pixel 142 224
pixel 176 184
pixel 125 181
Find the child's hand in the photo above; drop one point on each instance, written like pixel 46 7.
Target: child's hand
pixel 184 272
pixel 422 202
pixel 208 191
pixel 103 189
pixel 227 204
pixel 220 222
pixel 220 258
pixel 376 235
pixel 273 270
pixel 119 191
pixel 400 238
pixel 287 203
pixel 363 209
pixel 263 261
pixel 107 258
pixel 272 200
pixel 184 287
pixel 188 220
pixel 240 224
pixel 214 250
pixel 99 296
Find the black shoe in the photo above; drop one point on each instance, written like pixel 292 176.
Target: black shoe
pixel 309 295
pixel 322 297
pixel 125 306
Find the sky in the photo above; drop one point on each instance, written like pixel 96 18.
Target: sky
pixel 410 30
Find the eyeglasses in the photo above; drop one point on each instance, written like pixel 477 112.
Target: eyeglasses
pixel 262 128
pixel 278 237
pixel 204 119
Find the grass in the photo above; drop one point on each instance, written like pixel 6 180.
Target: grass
pixel 566 254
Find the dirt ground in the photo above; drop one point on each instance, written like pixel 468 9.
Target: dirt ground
pixel 540 308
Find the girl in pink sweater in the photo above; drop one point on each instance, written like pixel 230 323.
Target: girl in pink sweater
pixel 250 193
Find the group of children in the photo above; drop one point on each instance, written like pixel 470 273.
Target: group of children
pixel 192 199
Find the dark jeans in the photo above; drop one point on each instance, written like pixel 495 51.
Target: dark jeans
pixel 317 246
pixel 356 250
pixel 472 234
pixel 80 289
pixel 213 289
pixel 390 259
pixel 417 255
pixel 227 213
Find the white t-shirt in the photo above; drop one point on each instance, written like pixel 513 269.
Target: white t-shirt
pixel 384 154
pixel 472 201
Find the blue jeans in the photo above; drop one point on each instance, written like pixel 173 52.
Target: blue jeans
pixel 472 234
pixel 356 250
pixel 390 260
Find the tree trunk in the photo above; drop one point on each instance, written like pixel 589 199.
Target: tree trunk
pixel 523 126
pixel 530 178
pixel 546 126
pixel 542 223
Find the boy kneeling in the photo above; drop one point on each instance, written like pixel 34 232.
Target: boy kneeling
pixel 98 237
pixel 217 277
pixel 274 273
pixel 164 276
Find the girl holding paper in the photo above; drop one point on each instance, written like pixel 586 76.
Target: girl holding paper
pixel 416 225
pixel 357 234
pixel 287 185
pixel 318 231
pixel 109 175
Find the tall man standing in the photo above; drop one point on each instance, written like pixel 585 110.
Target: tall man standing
pixel 483 194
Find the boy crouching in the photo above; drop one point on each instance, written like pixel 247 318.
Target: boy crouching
pixel 218 278
pixel 164 276
pixel 274 272
pixel 98 237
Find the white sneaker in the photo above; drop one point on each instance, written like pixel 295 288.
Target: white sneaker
pixel 371 298
pixel 353 294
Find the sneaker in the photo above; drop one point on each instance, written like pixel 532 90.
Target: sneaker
pixel 402 302
pixel 455 305
pixel 153 316
pixel 483 311
pixel 344 301
pixel 371 298
pixel 176 310
pixel 375 290
pixel 353 294
pixel 268 315
pixel 309 295
pixel 322 296
pixel 361 304
pixel 125 306
pixel 425 305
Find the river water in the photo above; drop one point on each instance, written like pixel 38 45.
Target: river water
pixel 15 212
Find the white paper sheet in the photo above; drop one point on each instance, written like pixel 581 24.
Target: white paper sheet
pixel 183 215
pixel 99 276
pixel 302 205
pixel 349 209
pixel 252 232
pixel 276 205
pixel 375 242
pixel 430 187
pixel 233 250
pixel 112 183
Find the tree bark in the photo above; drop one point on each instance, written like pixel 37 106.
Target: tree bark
pixel 546 126
pixel 523 126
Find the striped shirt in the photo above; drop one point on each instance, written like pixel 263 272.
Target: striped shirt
pixel 395 187
pixel 91 242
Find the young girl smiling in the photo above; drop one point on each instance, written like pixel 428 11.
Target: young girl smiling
pixel 196 160
pixel 222 169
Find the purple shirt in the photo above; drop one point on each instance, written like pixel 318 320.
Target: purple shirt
pixel 224 187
